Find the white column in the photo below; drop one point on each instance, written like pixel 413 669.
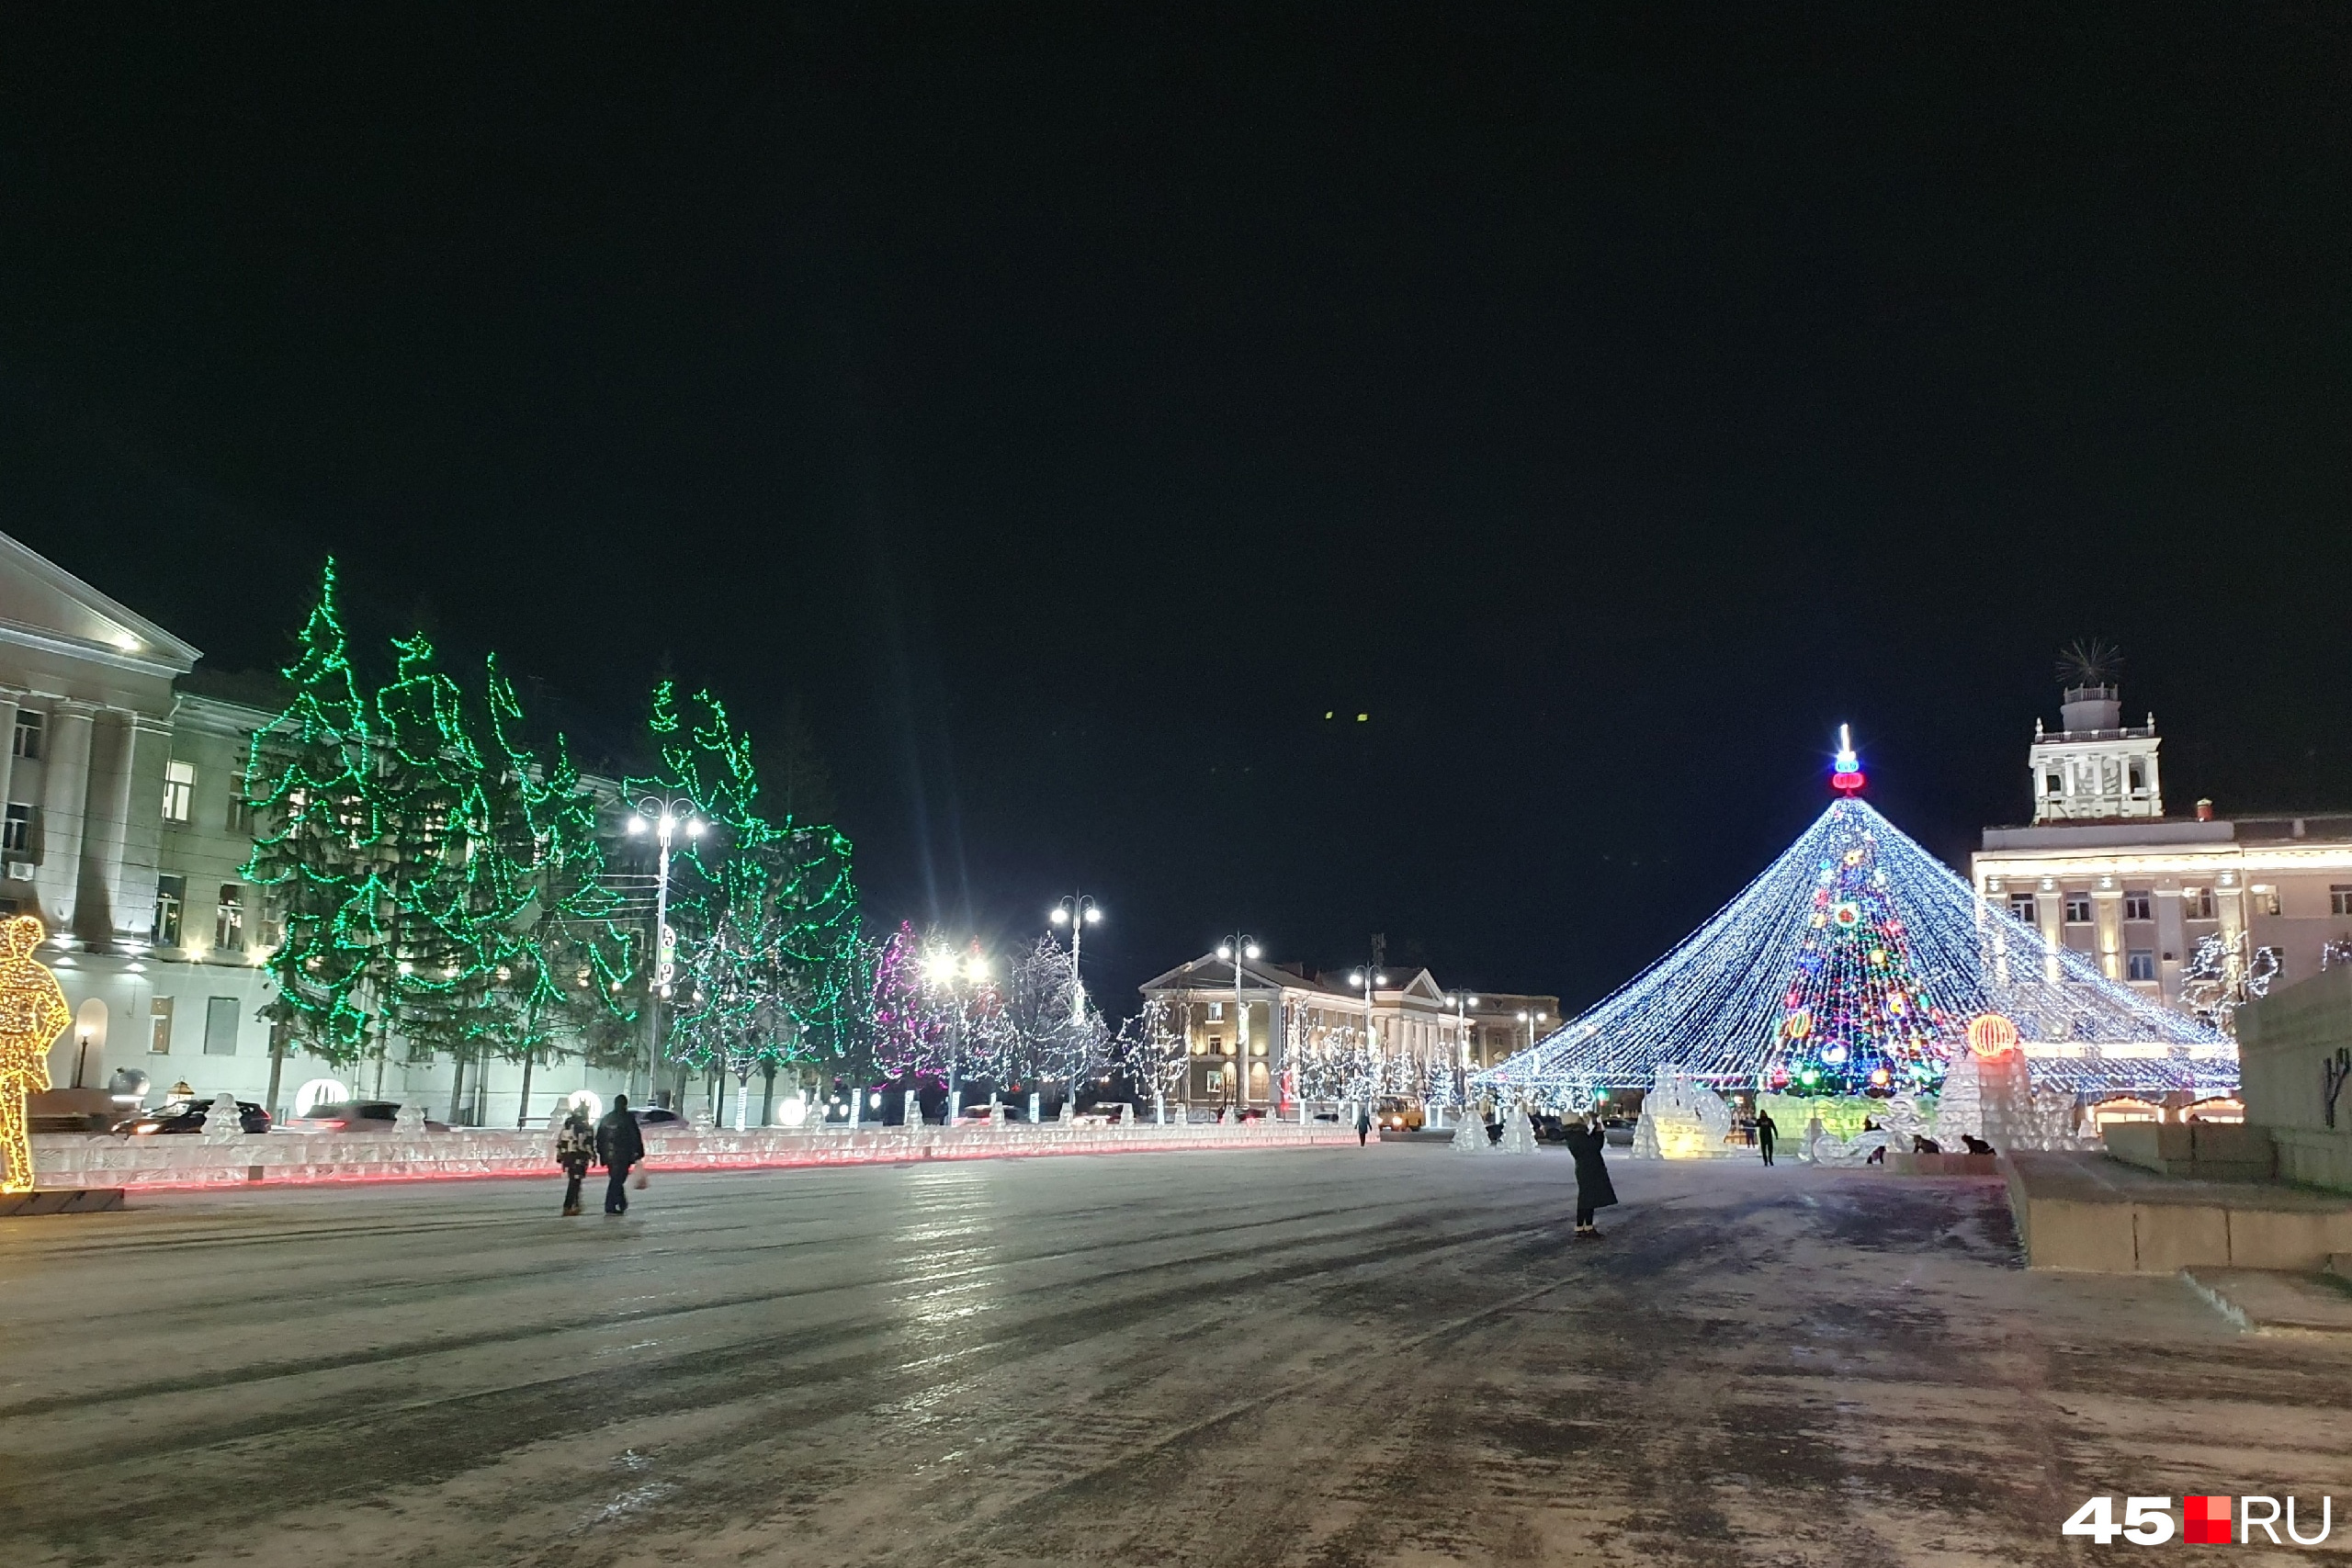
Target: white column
pixel 64 808
pixel 912 1114
pixel 8 741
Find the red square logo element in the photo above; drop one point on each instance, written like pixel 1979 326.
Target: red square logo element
pixel 2205 1521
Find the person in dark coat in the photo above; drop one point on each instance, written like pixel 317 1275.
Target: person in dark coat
pixel 618 1146
pixel 575 1151
pixel 1363 1125
pixel 1594 1190
pixel 1766 1134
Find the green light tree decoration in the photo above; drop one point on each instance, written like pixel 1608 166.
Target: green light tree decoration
pixel 310 782
pixel 766 913
pixel 562 956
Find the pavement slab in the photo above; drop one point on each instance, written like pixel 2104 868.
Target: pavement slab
pixel 1323 1358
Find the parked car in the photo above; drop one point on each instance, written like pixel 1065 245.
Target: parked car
pixel 655 1116
pixel 1107 1111
pixel 188 1116
pixel 1393 1115
pixel 1002 1111
pixel 361 1116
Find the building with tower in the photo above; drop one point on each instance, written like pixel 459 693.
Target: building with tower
pixel 2201 910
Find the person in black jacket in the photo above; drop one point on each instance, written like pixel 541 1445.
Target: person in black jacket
pixel 1594 1189
pixel 618 1146
pixel 1767 1132
pixel 575 1151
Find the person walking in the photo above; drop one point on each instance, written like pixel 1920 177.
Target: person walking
pixel 1364 1125
pixel 1594 1190
pixel 575 1150
pixel 1765 1133
pixel 618 1146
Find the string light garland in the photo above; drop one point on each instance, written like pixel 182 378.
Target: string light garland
pixel 1856 962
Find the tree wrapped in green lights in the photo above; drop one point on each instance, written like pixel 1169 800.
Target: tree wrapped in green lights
pixel 311 782
pixel 769 956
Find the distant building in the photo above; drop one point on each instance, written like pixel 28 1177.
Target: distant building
pixel 1290 1030
pixel 2102 870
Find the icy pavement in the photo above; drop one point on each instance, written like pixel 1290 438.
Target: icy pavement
pixel 1318 1358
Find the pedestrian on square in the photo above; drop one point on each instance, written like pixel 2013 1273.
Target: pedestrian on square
pixel 618 1146
pixel 1364 1125
pixel 1594 1190
pixel 575 1151
pixel 1765 1133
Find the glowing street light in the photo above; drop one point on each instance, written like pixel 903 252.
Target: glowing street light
pixel 665 815
pixel 1235 950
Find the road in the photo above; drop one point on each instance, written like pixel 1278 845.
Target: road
pixel 1330 1358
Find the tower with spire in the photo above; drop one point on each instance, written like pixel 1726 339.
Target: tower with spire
pixel 2093 768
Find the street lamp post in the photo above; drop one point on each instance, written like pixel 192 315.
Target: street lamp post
pixel 1237 948
pixel 1078 911
pixel 942 969
pixel 1462 1003
pixel 664 815
pixel 1370 980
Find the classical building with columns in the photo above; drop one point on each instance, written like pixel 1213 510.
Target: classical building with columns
pixel 1289 1031
pixel 125 831
pixel 2103 870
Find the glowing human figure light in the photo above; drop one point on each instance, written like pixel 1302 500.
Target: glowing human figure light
pixel 1848 776
pixel 32 1015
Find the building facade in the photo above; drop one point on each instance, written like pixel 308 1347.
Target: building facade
pixel 125 831
pixel 1289 1033
pixel 2160 903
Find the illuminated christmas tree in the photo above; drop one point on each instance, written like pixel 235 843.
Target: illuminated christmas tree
pixel 1854 954
pixel 1857 1016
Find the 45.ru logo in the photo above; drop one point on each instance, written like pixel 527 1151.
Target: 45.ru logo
pixel 2204 1520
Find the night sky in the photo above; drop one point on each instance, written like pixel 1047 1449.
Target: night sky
pixel 1068 407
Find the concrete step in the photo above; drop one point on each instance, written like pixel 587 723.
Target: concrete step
pixel 2266 1301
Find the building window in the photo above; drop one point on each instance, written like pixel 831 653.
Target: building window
pixel 2053 784
pixel 229 919
pixel 2339 897
pixel 17 834
pixel 2139 964
pixel 28 742
pixel 159 1026
pixel 2136 905
pixel 1216 1009
pixel 2021 905
pixel 273 918
pixel 220 1026
pixel 2139 779
pixel 179 787
pixel 2078 908
pixel 2266 901
pixel 2276 957
pixel 171 901
pixel 2197 903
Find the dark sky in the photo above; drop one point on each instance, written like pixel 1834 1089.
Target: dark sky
pixel 1070 405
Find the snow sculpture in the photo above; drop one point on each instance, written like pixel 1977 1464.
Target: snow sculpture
pixel 1470 1132
pixel 1683 1119
pixel 408 1121
pixel 223 1122
pixel 1519 1133
pixel 1831 1150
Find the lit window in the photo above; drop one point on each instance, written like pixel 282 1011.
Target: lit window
pixel 171 898
pixel 179 788
pixel 2339 897
pixel 2137 905
pixel 2266 900
pixel 16 833
pixel 1216 1009
pixel 2197 903
pixel 229 919
pixel 2139 964
pixel 2078 908
pixel 29 730
pixel 159 1026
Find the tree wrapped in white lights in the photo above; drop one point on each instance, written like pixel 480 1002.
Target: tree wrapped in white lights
pixel 1721 1005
